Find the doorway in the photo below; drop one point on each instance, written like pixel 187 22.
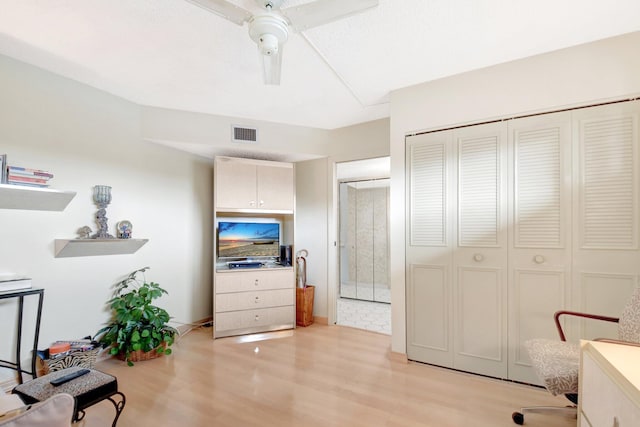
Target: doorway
pixel 364 294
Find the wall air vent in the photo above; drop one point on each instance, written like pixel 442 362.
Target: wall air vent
pixel 244 135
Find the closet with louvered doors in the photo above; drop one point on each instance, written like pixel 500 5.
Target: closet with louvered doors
pixel 457 249
pixel 606 180
pixel 539 232
pixel 430 219
pixel 480 254
pixel 511 221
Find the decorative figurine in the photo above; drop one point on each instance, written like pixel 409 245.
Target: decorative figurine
pixel 125 228
pixel 102 197
pixel 84 232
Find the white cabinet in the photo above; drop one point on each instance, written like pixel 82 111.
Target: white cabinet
pixel 250 301
pixel 609 385
pixel 244 184
pixel 511 221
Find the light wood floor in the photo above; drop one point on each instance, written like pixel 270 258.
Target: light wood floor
pixel 314 376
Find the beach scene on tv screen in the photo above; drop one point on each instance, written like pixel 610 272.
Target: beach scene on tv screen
pixel 248 239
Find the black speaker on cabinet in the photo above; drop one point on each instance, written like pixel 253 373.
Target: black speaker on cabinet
pixel 286 255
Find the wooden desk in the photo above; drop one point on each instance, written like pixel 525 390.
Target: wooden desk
pixel 609 385
pixel 16 365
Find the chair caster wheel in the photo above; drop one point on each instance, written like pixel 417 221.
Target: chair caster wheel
pixel 517 418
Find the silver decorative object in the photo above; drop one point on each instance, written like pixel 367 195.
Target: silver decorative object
pixel 102 197
pixel 84 232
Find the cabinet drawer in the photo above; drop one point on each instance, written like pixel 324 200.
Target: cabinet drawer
pixel 254 280
pixel 603 403
pixel 248 319
pixel 251 300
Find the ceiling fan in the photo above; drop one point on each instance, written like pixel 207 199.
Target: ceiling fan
pixel 270 29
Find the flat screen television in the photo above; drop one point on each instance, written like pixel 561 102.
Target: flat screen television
pixel 248 240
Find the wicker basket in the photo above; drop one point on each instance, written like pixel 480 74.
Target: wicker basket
pixel 139 355
pixel 304 305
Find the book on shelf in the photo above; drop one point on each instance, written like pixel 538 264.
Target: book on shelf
pixel 27 184
pixel 14 283
pixel 30 179
pixel 18 170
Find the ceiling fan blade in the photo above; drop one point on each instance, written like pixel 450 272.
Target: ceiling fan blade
pixel 225 9
pixel 320 12
pixel 271 66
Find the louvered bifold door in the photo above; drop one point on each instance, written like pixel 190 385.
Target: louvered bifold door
pixel 429 248
pixel 606 257
pixel 539 232
pixel 480 254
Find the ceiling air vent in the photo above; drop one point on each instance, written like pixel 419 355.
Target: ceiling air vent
pixel 244 135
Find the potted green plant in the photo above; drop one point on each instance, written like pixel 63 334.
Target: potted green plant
pixel 138 330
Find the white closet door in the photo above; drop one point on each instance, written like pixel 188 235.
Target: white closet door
pixel 605 250
pixel 429 248
pixel 539 232
pixel 480 256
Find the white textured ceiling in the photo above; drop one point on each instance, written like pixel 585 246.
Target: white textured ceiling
pixel 173 54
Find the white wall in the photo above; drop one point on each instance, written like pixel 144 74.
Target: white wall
pixel 316 196
pixel 311 226
pixel 363 141
pixel 582 75
pixel 87 137
pixel 207 133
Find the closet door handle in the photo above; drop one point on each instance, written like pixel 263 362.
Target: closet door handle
pixel 538 259
pixel 478 257
pixel 261 202
pixel 252 202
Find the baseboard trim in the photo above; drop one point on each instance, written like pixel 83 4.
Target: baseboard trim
pixel 321 320
pixel 184 328
pixel 398 357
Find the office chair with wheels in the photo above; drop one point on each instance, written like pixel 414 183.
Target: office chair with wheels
pixel 557 363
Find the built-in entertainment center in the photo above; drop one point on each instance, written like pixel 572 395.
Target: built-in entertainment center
pixel 253 279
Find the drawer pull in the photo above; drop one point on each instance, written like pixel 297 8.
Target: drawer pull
pixel 257 299
pixel 252 202
pixel 256 282
pixel 538 259
pixel 261 202
pixel 478 257
pixel 257 318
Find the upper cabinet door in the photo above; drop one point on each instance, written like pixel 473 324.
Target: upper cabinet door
pixel 254 185
pixel 275 187
pixel 235 184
